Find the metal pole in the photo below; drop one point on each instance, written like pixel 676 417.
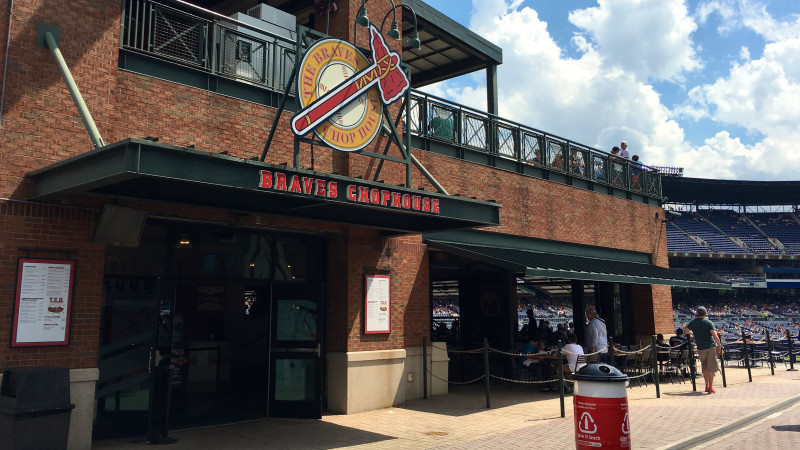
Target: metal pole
pixel 769 352
pixel 746 358
pixel 612 357
pixel 424 367
pixel 791 353
pixel 560 366
pixel 692 365
pixel 722 367
pixel 486 369
pixel 655 365
pixel 88 122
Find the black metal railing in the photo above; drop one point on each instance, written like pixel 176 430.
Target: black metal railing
pixel 194 37
pixel 205 41
pixel 439 119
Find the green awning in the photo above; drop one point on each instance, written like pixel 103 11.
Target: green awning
pixel 147 170
pixel 528 263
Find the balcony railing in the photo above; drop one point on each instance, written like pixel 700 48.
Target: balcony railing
pixel 202 40
pixel 208 42
pixel 440 120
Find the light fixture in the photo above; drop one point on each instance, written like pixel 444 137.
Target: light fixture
pixel 361 18
pixel 414 41
pixel 184 241
pixel 394 32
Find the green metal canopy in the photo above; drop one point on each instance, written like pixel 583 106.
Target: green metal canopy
pixel 534 264
pixel 143 169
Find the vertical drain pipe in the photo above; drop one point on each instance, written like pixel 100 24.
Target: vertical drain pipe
pixel 5 61
pixel 45 37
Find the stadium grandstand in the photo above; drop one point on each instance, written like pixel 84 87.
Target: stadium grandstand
pixel 746 233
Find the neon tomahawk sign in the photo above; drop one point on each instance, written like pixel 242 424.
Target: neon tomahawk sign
pixel 342 94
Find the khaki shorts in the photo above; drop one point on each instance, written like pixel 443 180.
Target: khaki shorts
pixel 708 359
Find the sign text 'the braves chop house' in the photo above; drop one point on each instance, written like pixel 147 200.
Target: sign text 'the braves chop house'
pixel 354 193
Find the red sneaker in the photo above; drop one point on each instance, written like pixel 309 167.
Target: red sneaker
pixel 711 390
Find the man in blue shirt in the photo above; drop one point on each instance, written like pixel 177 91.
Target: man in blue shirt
pixel 708 346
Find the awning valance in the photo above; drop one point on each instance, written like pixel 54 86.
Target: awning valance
pixel 529 263
pixel 143 169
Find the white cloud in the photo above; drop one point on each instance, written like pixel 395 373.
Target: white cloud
pixel 650 38
pixel 587 99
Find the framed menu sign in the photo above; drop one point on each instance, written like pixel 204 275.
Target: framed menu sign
pixel 377 304
pixel 43 302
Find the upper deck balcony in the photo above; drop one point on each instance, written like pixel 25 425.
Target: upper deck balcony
pixel 241 56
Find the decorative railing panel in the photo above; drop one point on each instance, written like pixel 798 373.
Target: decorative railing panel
pixel 437 118
pixel 222 47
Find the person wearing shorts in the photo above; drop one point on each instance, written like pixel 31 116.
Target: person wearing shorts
pixel 708 346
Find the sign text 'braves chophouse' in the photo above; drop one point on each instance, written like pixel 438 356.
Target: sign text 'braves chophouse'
pixel 319 187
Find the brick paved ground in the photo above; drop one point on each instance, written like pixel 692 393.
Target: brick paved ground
pixel 523 417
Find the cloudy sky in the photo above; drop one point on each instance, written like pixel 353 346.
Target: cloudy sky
pixel 712 86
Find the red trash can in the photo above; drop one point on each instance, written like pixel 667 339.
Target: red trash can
pixel 600 403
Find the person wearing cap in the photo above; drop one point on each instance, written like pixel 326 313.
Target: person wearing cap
pixel 596 334
pixel 623 150
pixel 708 346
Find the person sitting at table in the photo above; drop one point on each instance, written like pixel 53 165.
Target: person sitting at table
pixel 572 350
pixel 679 340
pixel 539 368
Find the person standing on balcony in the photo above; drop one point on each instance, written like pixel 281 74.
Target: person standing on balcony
pixel 708 346
pixel 623 150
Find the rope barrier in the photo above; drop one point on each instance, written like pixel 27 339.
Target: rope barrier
pixel 455 382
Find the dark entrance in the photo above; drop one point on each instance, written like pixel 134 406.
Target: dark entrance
pixel 204 326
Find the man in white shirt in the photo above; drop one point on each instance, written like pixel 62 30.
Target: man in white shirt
pixel 623 152
pixel 572 350
pixel 596 335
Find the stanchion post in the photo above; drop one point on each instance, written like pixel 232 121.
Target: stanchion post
pixel 692 364
pixel 769 352
pixel 425 367
pixel 560 366
pixel 746 356
pixel 791 352
pixel 654 360
pixel 486 369
pixel 611 352
pixel 722 366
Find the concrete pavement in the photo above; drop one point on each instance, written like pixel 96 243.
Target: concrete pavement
pixel 762 414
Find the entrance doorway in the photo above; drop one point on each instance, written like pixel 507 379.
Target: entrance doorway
pixel 183 348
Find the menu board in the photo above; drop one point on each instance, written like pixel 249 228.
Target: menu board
pixel 43 302
pixel 377 304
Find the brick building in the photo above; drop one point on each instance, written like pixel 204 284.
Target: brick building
pixel 217 278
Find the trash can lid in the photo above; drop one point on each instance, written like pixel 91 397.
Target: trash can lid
pixel 599 372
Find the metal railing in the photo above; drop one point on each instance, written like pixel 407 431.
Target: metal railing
pixel 441 120
pixel 205 41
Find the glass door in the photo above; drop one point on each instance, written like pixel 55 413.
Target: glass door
pixel 296 351
pixel 133 316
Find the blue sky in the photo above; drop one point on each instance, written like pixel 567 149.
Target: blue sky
pixel 709 85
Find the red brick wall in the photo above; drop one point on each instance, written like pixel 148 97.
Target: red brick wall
pixel 27 225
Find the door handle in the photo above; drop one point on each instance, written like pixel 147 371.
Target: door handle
pixel 155 357
pixel 318 349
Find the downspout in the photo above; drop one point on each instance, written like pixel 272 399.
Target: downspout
pixel 5 62
pixel 46 32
